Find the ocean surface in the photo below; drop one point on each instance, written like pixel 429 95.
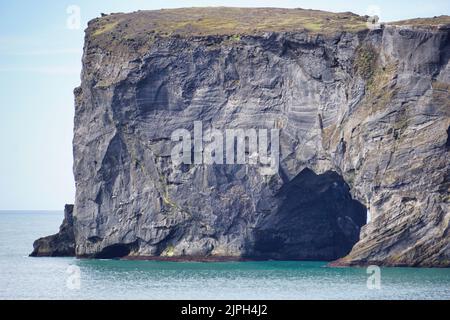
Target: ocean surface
pixel 22 277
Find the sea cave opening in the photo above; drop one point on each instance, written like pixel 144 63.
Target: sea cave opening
pixel 317 219
pixel 114 251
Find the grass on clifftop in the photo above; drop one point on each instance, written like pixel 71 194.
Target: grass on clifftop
pixel 239 21
pixel 424 22
pixel 227 21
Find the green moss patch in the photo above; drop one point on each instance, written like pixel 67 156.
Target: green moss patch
pixel 227 21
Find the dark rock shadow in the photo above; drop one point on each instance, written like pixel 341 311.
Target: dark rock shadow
pixel 114 251
pixel 447 143
pixel 317 220
pixel 61 244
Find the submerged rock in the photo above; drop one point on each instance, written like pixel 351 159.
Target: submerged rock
pixel 61 244
pixel 363 116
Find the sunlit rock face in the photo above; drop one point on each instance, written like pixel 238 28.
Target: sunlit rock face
pixel 363 118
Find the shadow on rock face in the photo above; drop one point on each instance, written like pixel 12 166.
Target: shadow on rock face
pixel 317 220
pixel 113 251
pixel 447 144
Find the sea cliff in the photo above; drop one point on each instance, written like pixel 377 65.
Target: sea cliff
pixel 363 115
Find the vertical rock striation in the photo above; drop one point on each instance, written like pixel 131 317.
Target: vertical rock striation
pixel 397 157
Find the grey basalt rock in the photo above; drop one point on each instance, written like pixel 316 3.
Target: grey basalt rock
pixel 61 244
pixel 363 118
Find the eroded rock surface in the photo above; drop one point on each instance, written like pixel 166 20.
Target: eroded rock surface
pixel 360 112
pixel 316 219
pixel 61 244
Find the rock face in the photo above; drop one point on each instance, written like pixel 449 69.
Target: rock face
pixel 316 219
pixel 361 113
pixel 61 244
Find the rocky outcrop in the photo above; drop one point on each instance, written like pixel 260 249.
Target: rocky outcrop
pixel 363 118
pixel 61 244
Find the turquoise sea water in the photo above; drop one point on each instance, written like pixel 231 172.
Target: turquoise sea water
pixel 22 277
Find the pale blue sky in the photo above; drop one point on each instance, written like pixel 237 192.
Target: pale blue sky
pixel 40 66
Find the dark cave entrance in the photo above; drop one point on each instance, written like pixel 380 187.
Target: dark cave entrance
pixel 114 251
pixel 317 220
